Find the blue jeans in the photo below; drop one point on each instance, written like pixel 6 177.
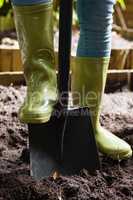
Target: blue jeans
pixel 95 19
pixel 29 2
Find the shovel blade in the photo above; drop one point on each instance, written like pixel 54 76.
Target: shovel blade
pixel 65 144
pixel 79 145
pixel 44 142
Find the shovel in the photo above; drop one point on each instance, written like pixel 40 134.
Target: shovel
pixel 66 143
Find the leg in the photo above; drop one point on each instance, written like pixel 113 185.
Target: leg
pixel 95 18
pixel 90 70
pixel 35 34
pixel 28 2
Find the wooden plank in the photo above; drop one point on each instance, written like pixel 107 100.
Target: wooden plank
pixel 8 78
pixel 115 71
pixel 121 59
pixel 5 60
pixel 10 59
pixel 16 61
pixel 115 77
pixel 120 75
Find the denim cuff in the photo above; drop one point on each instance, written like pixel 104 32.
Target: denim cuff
pixel 29 2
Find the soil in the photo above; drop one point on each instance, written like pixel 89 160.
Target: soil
pixel 113 182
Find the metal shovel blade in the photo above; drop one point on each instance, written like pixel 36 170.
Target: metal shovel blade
pixel 44 142
pixel 65 144
pixel 79 145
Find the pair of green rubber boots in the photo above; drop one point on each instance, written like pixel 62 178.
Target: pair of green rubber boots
pixel 35 33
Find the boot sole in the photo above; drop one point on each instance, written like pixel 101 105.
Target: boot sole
pixel 121 156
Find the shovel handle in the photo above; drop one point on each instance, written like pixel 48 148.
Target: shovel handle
pixel 65 33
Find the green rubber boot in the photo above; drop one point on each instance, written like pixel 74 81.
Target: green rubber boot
pixel 88 83
pixel 35 33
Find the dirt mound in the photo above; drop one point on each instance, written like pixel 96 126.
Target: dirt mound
pixel 113 182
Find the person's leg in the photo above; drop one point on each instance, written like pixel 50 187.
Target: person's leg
pixel 34 27
pixel 28 2
pixel 95 18
pixel 90 69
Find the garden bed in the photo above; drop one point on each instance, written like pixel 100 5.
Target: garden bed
pixel 114 182
pixel 10 59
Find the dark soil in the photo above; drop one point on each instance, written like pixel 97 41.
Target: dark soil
pixel 114 182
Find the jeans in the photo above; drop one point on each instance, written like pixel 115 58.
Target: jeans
pixel 95 19
pixel 29 2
